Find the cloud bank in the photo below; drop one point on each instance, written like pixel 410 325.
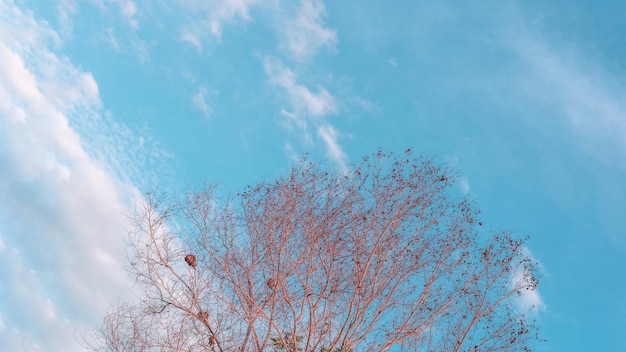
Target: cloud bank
pixel 65 182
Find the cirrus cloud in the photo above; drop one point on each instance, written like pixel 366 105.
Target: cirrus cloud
pixel 306 33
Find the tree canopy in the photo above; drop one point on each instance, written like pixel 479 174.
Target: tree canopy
pixel 386 256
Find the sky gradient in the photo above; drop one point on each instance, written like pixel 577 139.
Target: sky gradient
pixel 101 100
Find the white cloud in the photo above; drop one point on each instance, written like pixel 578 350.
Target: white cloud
pixel 10 32
pixel 123 42
pixel 301 31
pixel 109 38
pixel 463 184
pixel 65 181
pixel 576 88
pixel 298 125
pixel 199 102
pixel 212 15
pixel 330 136
pixel 529 297
pixel 188 37
pixel 127 8
pixel 293 155
pixel 122 38
pixel 228 11
pixel 66 10
pixel 306 34
pixel 293 117
pixel 27 297
pixel 301 98
pixel 307 107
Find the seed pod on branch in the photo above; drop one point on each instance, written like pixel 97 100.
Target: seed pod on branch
pixel 191 260
pixel 204 316
pixel 271 283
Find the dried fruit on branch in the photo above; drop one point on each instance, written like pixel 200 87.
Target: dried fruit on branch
pixel 204 316
pixel 191 260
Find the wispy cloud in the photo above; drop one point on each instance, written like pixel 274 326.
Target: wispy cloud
pixel 200 103
pixel 121 29
pixel 194 40
pixel 212 15
pixel 127 8
pixel 66 10
pixel 463 184
pixel 529 297
pixel 330 136
pixel 308 107
pixel 108 36
pixel 302 99
pixel 297 124
pixel 576 88
pixel 306 33
pixel 65 181
pixel 302 33
pixel 301 30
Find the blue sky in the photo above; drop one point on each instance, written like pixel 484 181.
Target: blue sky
pixel 101 99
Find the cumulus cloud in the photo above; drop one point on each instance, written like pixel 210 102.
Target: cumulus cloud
pixel 306 34
pixel 66 178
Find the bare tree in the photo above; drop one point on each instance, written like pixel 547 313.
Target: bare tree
pixel 385 257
